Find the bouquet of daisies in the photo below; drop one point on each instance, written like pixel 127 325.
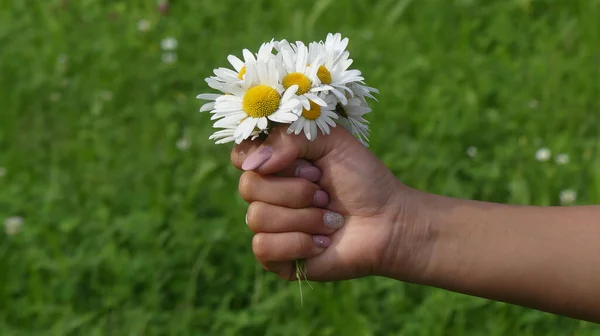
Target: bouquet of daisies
pixel 310 87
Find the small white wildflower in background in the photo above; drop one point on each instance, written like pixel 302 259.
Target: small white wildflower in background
pixel 143 25
pixel 543 154
pixel 533 104
pixel 13 225
pixel 183 143
pixel 168 43
pixel 562 159
pixel 2 171
pixel 54 96
pixel 472 151
pixel 568 196
pixel 169 57
pixel 106 95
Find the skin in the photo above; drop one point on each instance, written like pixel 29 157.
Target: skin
pixel 545 258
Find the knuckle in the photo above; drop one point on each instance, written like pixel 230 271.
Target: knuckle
pixel 302 245
pixel 260 248
pixel 247 185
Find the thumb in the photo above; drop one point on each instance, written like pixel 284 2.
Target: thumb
pixel 280 149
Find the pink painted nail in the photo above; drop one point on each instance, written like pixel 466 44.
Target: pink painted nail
pixel 257 158
pixel 320 199
pixel 321 241
pixel 310 173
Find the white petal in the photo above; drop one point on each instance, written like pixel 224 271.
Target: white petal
pixel 288 60
pixel 313 130
pixel 323 126
pixel 301 57
pixel 262 123
pixel 229 121
pixel 248 56
pixel 342 98
pixel 305 102
pixel 316 99
pixel 208 96
pixel 224 72
pixel 228 98
pixel 290 129
pixel 207 107
pixel 274 74
pixel 307 129
pixel 244 129
pixel 289 93
pixel 283 117
pixel 290 105
pixel 237 63
pixel 299 125
pixel 263 72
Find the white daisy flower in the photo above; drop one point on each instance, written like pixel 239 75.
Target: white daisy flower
pixel 562 158
pixel 351 118
pixel 143 25
pixel 317 116
pixel 169 44
pixel 472 151
pixel 260 98
pixel 183 143
pixel 225 78
pixel 13 225
pixel 298 70
pixel 568 196
pixel 333 73
pixel 543 154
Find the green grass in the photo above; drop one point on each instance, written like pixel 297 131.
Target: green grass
pixel 125 234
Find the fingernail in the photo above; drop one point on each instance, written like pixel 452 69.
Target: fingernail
pixel 246 219
pixel 310 173
pixel 322 241
pixel 320 199
pixel 257 158
pixel 333 220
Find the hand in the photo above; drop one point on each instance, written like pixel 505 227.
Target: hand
pixel 372 220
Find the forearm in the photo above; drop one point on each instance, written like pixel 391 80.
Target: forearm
pixel 546 258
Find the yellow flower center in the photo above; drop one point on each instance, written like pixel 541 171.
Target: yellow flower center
pixel 260 101
pixel 313 113
pixel 339 109
pixel 242 73
pixel 296 78
pixel 324 75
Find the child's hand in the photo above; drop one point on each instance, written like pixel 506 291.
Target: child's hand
pixel 353 221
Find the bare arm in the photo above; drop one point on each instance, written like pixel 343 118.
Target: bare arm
pixel 546 258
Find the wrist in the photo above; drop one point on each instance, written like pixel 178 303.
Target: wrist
pixel 408 250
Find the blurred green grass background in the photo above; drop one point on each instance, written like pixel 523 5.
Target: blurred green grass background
pixel 131 220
